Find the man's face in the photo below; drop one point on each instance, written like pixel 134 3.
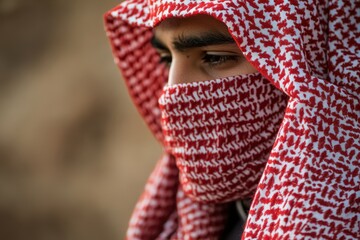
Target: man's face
pixel 197 49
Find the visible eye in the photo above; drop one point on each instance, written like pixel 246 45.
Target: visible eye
pixel 214 59
pixel 166 59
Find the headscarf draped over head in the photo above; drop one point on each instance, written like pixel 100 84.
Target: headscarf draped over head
pixel 310 50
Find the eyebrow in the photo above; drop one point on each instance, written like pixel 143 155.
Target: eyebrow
pixel 182 42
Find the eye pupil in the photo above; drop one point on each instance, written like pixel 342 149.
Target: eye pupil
pixel 210 59
pixel 214 59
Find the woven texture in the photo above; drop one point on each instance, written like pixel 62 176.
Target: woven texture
pixel 221 133
pixel 310 50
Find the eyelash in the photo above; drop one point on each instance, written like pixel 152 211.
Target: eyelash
pixel 166 60
pixel 211 59
pixel 215 60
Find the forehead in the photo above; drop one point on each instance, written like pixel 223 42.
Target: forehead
pixel 191 25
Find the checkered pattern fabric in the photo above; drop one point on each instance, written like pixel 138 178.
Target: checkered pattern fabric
pixel 221 133
pixel 309 50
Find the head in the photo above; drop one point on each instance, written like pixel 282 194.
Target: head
pixel 198 48
pixel 219 115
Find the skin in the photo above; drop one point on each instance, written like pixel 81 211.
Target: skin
pixel 198 48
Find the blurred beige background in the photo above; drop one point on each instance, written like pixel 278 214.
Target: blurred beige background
pixel 74 153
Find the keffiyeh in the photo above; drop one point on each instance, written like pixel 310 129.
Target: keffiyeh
pixel 309 50
pixel 221 133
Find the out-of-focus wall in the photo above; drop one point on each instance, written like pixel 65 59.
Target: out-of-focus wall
pixel 74 153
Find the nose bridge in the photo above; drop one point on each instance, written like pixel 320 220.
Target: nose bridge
pixel 181 71
pixel 177 72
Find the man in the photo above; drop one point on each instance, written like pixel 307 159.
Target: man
pixel 232 69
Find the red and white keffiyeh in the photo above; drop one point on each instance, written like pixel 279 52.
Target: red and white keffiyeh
pixel 310 50
pixel 221 133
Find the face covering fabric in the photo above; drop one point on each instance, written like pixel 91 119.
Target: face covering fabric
pixel 221 133
pixel 310 51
